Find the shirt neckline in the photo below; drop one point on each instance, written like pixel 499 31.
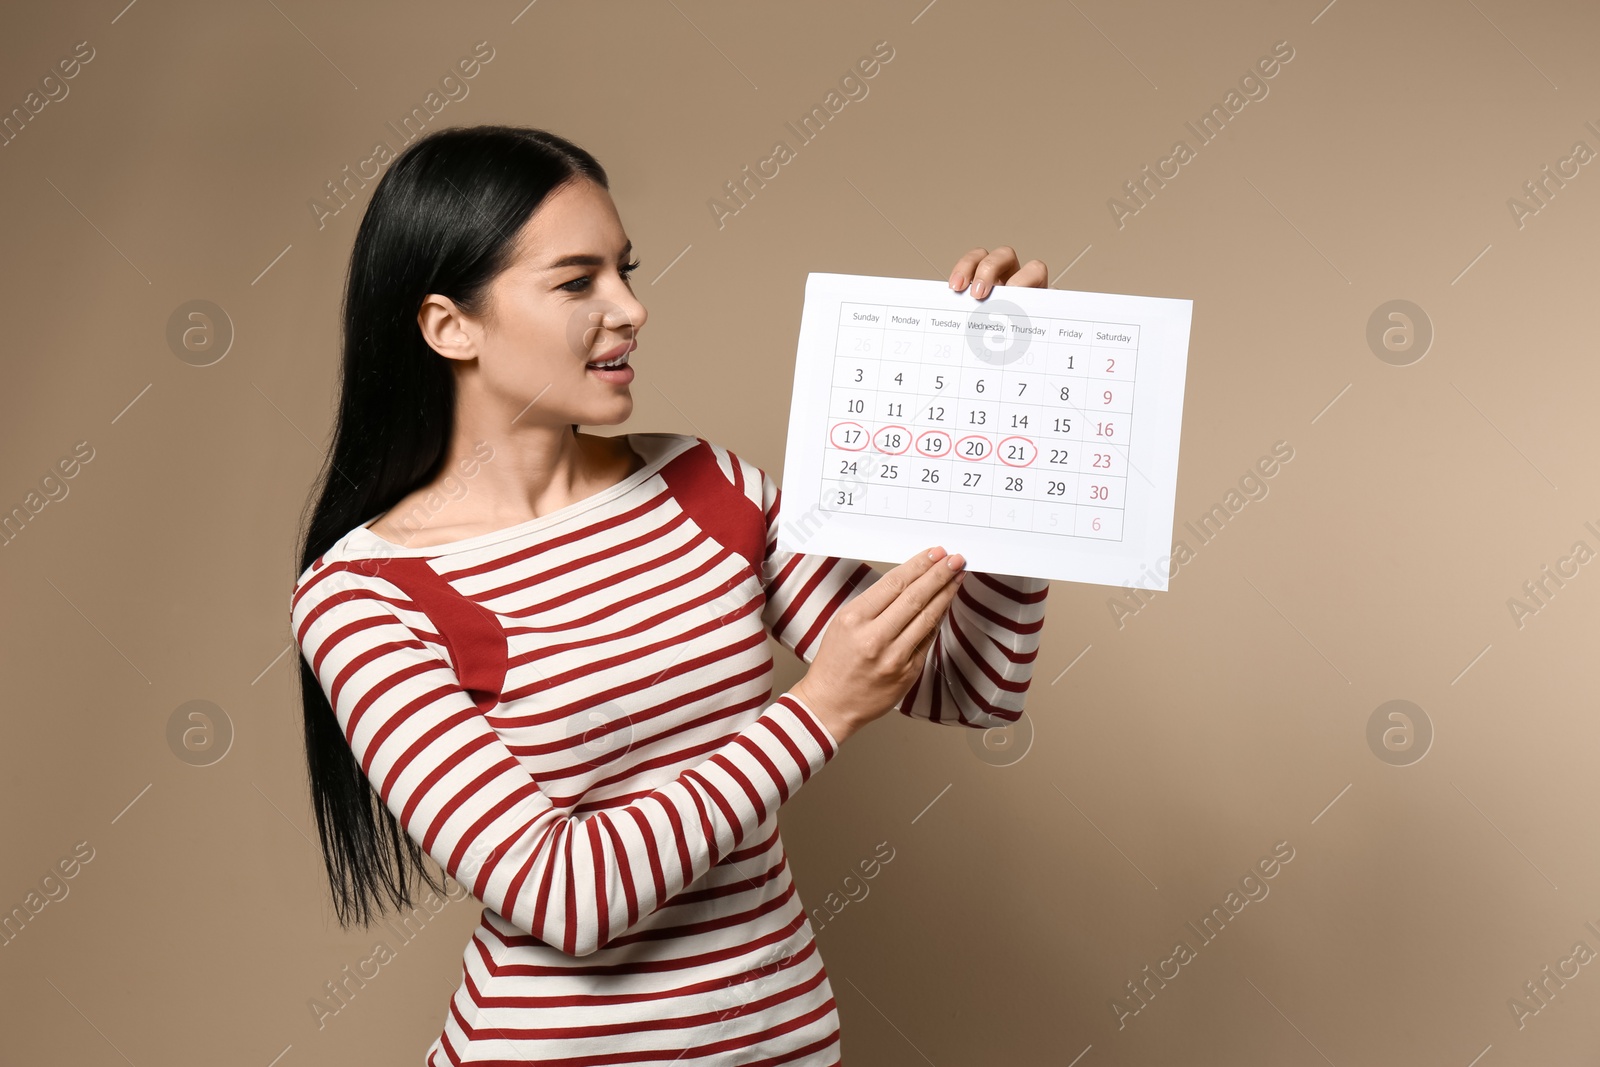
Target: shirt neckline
pixel 656 448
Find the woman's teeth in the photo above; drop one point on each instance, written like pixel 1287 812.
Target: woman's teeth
pixel 620 361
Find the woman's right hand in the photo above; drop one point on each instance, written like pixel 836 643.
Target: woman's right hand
pixel 874 647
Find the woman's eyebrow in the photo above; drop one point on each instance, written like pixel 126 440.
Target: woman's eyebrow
pixel 586 259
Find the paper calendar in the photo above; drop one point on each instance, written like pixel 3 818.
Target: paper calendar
pixel 1034 431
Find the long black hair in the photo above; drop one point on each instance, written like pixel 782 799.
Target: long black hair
pixel 443 219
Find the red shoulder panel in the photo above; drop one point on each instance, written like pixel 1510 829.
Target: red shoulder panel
pixel 474 636
pixel 717 506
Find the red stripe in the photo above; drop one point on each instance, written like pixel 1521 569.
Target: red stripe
pixel 754 797
pixel 602 899
pixel 799 599
pixel 579 1033
pixel 562 856
pixel 1007 624
pixel 450 807
pixel 840 595
pixel 503 849
pixel 794 754
pixel 634 653
pixel 725 948
pixel 624 870
pixel 539 849
pixel 999 586
pixel 772 772
pixel 991 677
pixel 380 737
pixel 822 737
pixel 684 862
pixel 515 553
pixel 489 956
pixel 609 605
pixel 604 572
pixel 552 848
pixel 709 824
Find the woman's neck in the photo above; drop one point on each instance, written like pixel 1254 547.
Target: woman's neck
pixel 488 484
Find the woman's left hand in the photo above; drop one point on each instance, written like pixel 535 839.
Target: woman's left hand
pixel 984 270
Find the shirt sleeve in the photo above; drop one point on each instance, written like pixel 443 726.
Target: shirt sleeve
pixel 465 798
pixel 981 661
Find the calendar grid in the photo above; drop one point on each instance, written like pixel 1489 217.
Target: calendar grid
pixel 972 420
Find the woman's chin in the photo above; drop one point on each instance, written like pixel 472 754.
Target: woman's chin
pixel 609 414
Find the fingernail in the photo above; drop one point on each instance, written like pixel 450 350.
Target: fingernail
pixel 935 553
pixel 979 288
pixel 953 564
pixel 958 283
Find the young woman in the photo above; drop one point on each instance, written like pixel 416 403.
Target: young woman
pixel 540 656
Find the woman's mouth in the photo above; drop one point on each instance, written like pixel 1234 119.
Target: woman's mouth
pixel 613 367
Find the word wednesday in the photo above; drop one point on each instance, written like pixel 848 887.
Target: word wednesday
pixel 1139 991
pixel 1212 123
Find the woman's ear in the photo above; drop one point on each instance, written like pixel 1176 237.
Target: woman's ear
pixel 449 331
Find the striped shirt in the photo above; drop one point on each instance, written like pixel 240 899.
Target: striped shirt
pixel 573 716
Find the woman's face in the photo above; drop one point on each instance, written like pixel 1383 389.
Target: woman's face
pixel 563 305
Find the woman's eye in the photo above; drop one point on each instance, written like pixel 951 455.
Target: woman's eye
pixel 577 285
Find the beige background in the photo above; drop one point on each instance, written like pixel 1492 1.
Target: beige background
pixel 1226 716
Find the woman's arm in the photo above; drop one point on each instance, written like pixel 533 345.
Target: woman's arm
pixel 459 792
pixel 982 658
